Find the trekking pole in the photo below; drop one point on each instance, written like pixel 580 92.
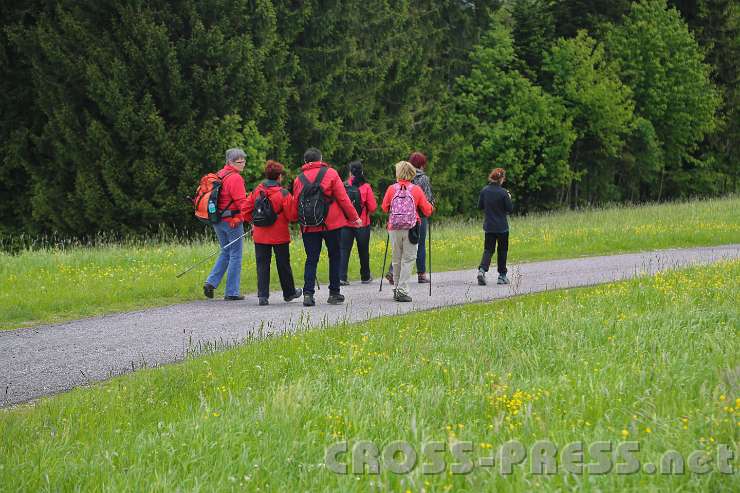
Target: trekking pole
pixel 211 255
pixel 429 232
pixel 385 256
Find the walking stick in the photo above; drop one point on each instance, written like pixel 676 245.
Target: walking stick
pixel 211 255
pixel 429 232
pixel 385 256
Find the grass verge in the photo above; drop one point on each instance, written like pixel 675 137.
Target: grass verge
pixel 651 360
pixel 54 285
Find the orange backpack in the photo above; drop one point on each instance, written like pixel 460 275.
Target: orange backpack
pixel 205 201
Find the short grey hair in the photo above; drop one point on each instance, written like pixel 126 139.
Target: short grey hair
pixel 234 154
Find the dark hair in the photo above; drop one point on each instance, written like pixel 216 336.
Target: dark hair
pixel 311 155
pixel 418 159
pixel 358 175
pixel 497 174
pixel 273 170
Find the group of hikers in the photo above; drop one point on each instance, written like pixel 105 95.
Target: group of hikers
pixel 336 213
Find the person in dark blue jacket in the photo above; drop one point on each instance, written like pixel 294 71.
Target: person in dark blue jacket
pixel 495 201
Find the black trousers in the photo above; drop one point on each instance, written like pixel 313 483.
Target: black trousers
pixel 490 247
pixel 362 235
pixel 312 243
pixel 263 255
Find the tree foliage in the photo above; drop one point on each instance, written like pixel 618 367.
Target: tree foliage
pixel 601 108
pixel 661 62
pixel 113 110
pixel 502 117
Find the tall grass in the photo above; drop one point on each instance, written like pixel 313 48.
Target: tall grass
pixel 56 283
pixel 653 360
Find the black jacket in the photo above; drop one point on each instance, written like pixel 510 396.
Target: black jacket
pixel 496 203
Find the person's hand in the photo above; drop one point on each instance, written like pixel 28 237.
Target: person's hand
pixel 358 223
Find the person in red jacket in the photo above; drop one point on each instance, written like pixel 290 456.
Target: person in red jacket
pixel 404 241
pixel 365 199
pixel 340 211
pixel 230 229
pixel 273 237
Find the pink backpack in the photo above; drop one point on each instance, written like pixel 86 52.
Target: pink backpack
pixel 403 208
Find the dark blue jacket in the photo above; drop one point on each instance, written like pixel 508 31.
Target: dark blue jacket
pixel 496 203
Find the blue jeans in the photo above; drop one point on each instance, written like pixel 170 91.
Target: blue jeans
pixel 421 251
pixel 312 244
pixel 229 262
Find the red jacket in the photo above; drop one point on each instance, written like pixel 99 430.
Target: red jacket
pixel 282 204
pixel 422 204
pixel 369 204
pixel 233 195
pixel 341 209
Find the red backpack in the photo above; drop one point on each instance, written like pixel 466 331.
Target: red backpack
pixel 205 201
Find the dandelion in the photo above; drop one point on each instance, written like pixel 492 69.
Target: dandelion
pixel 625 433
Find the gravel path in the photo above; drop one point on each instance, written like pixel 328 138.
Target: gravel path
pixel 49 359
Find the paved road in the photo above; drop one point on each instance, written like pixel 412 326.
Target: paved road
pixel 49 359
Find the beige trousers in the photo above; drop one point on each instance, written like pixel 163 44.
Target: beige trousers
pixel 404 256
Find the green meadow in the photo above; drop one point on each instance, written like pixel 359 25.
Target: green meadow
pixel 652 361
pixel 46 285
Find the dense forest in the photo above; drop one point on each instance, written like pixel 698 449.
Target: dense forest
pixel 112 110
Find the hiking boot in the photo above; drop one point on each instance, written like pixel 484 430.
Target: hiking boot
pixel 344 283
pixel 296 294
pixel 502 279
pixel 308 300
pixel 264 302
pixel 236 297
pixel 423 279
pixel 367 281
pixel 389 277
pixel 402 297
pixel 335 299
pixel 208 290
pixel 481 277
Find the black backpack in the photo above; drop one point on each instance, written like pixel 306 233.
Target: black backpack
pixel 313 205
pixel 354 195
pixel 264 215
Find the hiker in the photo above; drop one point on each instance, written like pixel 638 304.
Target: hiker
pixel 322 212
pixel 419 160
pixel 495 200
pixel 403 201
pixel 361 194
pixel 231 200
pixel 270 210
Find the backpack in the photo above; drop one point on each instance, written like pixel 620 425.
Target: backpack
pixel 264 214
pixel 205 201
pixel 403 208
pixel 313 205
pixel 355 196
